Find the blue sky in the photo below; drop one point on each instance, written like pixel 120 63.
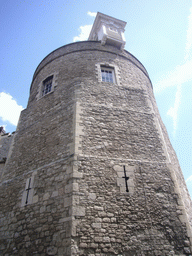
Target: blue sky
pixel 158 33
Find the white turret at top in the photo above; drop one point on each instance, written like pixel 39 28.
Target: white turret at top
pixel 108 30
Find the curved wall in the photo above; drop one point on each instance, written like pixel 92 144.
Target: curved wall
pixel 75 145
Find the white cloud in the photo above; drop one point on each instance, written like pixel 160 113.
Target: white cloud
pixel 188 46
pixel 84 34
pixel 9 109
pixel 84 30
pixel 178 76
pixel 173 111
pixel 181 74
pixel 92 14
pixel 189 179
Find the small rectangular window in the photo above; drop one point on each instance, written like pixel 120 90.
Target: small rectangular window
pixel 107 75
pixel 47 85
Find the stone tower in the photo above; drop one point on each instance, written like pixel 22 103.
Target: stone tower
pixel 90 170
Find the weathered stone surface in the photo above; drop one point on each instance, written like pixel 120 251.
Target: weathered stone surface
pixel 51 250
pixel 75 142
pixel 5 145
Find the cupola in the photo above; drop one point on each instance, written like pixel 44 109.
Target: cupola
pixel 108 30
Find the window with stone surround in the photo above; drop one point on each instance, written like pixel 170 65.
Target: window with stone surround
pixel 47 85
pixel 107 74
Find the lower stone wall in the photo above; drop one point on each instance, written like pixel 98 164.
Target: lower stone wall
pixel 43 225
pixel 81 207
pixel 143 221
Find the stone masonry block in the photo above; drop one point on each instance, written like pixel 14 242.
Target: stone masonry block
pixel 78 211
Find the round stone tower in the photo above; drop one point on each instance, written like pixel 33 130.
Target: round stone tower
pixel 91 170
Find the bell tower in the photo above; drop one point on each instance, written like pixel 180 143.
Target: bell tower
pixel 91 170
pixel 108 30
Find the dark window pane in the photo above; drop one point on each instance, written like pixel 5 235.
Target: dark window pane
pixel 47 85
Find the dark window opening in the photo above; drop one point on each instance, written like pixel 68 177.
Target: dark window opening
pixel 47 85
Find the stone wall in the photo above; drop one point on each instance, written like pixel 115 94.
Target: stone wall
pixel 64 189
pixel 5 143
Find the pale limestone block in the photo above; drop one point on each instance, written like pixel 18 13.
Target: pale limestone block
pixel 151 111
pixel 74 250
pixel 77 139
pixel 75 168
pixel 106 220
pixel 120 182
pixel 61 191
pixel 73 230
pixel 98 208
pixel 34 173
pixel 67 201
pixel 71 147
pixel 99 146
pixel 123 190
pixel 131 189
pixel 77 175
pixel 92 196
pixel 77 150
pixel 75 200
pixel 93 245
pixel 23 198
pixel 42 209
pixel 35 199
pixel 120 174
pixel 70 211
pixel 74 227
pixel 68 188
pixel 118 168
pixel 69 170
pixel 96 225
pixel 102 214
pixel 106 239
pixel 161 136
pixel 83 245
pixel 98 239
pixel 78 211
pixel 79 130
pixel 130 170
pixel 98 220
pixel 55 193
pixel 64 219
pixel 130 181
pixel 46 196
pixel 75 187
pixel 106 143
pixel 29 183
pixel 30 196
pixel 130 175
